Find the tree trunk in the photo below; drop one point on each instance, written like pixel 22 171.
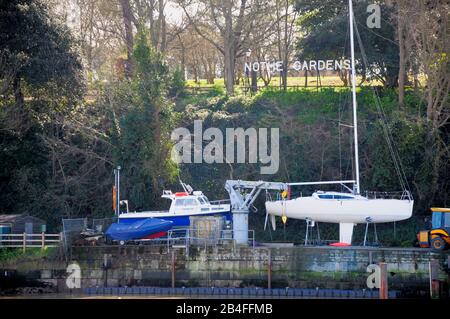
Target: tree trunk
pixel 284 78
pixel 127 18
pixel 229 69
pixel 254 82
pixel 229 49
pixel 343 76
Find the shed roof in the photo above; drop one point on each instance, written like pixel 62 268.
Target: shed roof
pixel 10 218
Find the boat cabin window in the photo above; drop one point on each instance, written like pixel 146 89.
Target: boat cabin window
pixel 334 196
pixel 205 199
pixel 201 200
pixel 180 202
pixel 186 202
pixel 190 202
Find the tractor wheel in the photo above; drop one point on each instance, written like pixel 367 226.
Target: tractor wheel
pixel 438 243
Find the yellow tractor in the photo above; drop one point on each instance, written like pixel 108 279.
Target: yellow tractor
pixel 438 237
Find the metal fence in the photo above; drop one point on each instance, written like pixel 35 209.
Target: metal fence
pixel 184 238
pixel 102 224
pixel 203 232
pixel 71 232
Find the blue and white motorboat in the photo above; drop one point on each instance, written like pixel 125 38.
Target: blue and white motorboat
pixel 183 206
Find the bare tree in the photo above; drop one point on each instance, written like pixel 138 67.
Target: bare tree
pixel 229 26
pixel 428 28
pixel 194 54
pixel 286 17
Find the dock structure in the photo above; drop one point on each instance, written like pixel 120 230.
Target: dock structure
pixel 307 268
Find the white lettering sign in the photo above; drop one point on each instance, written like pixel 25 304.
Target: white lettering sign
pixel 311 65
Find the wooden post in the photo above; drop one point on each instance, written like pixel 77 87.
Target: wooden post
pixel 42 240
pixel 24 243
pixel 173 268
pixel 383 281
pixel 269 270
pixel 105 268
pixel 434 282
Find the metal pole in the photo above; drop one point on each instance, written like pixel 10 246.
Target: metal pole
pixel 307 229
pixel 269 270
pixel 355 119
pixel 118 190
pixel 115 190
pixel 365 234
pixel 383 281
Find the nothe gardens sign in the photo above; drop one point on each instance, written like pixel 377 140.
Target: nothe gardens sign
pixel 310 65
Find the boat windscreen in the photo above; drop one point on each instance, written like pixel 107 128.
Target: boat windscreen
pixel 190 202
pixel 205 199
pixel 180 202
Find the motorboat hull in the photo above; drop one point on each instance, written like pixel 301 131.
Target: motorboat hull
pixel 140 229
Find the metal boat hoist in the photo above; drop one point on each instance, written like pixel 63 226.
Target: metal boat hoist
pixel 242 196
pixel 244 193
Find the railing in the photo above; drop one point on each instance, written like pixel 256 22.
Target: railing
pixel 182 238
pixel 389 195
pixel 25 240
pixel 220 202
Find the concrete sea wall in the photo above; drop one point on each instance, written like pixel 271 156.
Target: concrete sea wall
pixel 300 267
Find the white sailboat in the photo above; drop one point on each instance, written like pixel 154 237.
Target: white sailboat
pixel 346 209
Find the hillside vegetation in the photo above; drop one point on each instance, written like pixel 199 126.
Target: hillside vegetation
pixel 313 146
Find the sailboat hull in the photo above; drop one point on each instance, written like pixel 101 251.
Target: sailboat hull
pixel 356 210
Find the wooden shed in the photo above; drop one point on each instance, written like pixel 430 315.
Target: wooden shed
pixel 23 223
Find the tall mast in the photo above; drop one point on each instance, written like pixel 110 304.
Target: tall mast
pixel 355 119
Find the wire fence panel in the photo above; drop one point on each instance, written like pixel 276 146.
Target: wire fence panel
pixel 102 224
pixel 71 231
pixel 205 229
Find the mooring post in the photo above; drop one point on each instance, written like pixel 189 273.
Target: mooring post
pixel 448 272
pixel 173 268
pixel 24 242
pixel 269 269
pixel 105 267
pixel 384 294
pixel 434 282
